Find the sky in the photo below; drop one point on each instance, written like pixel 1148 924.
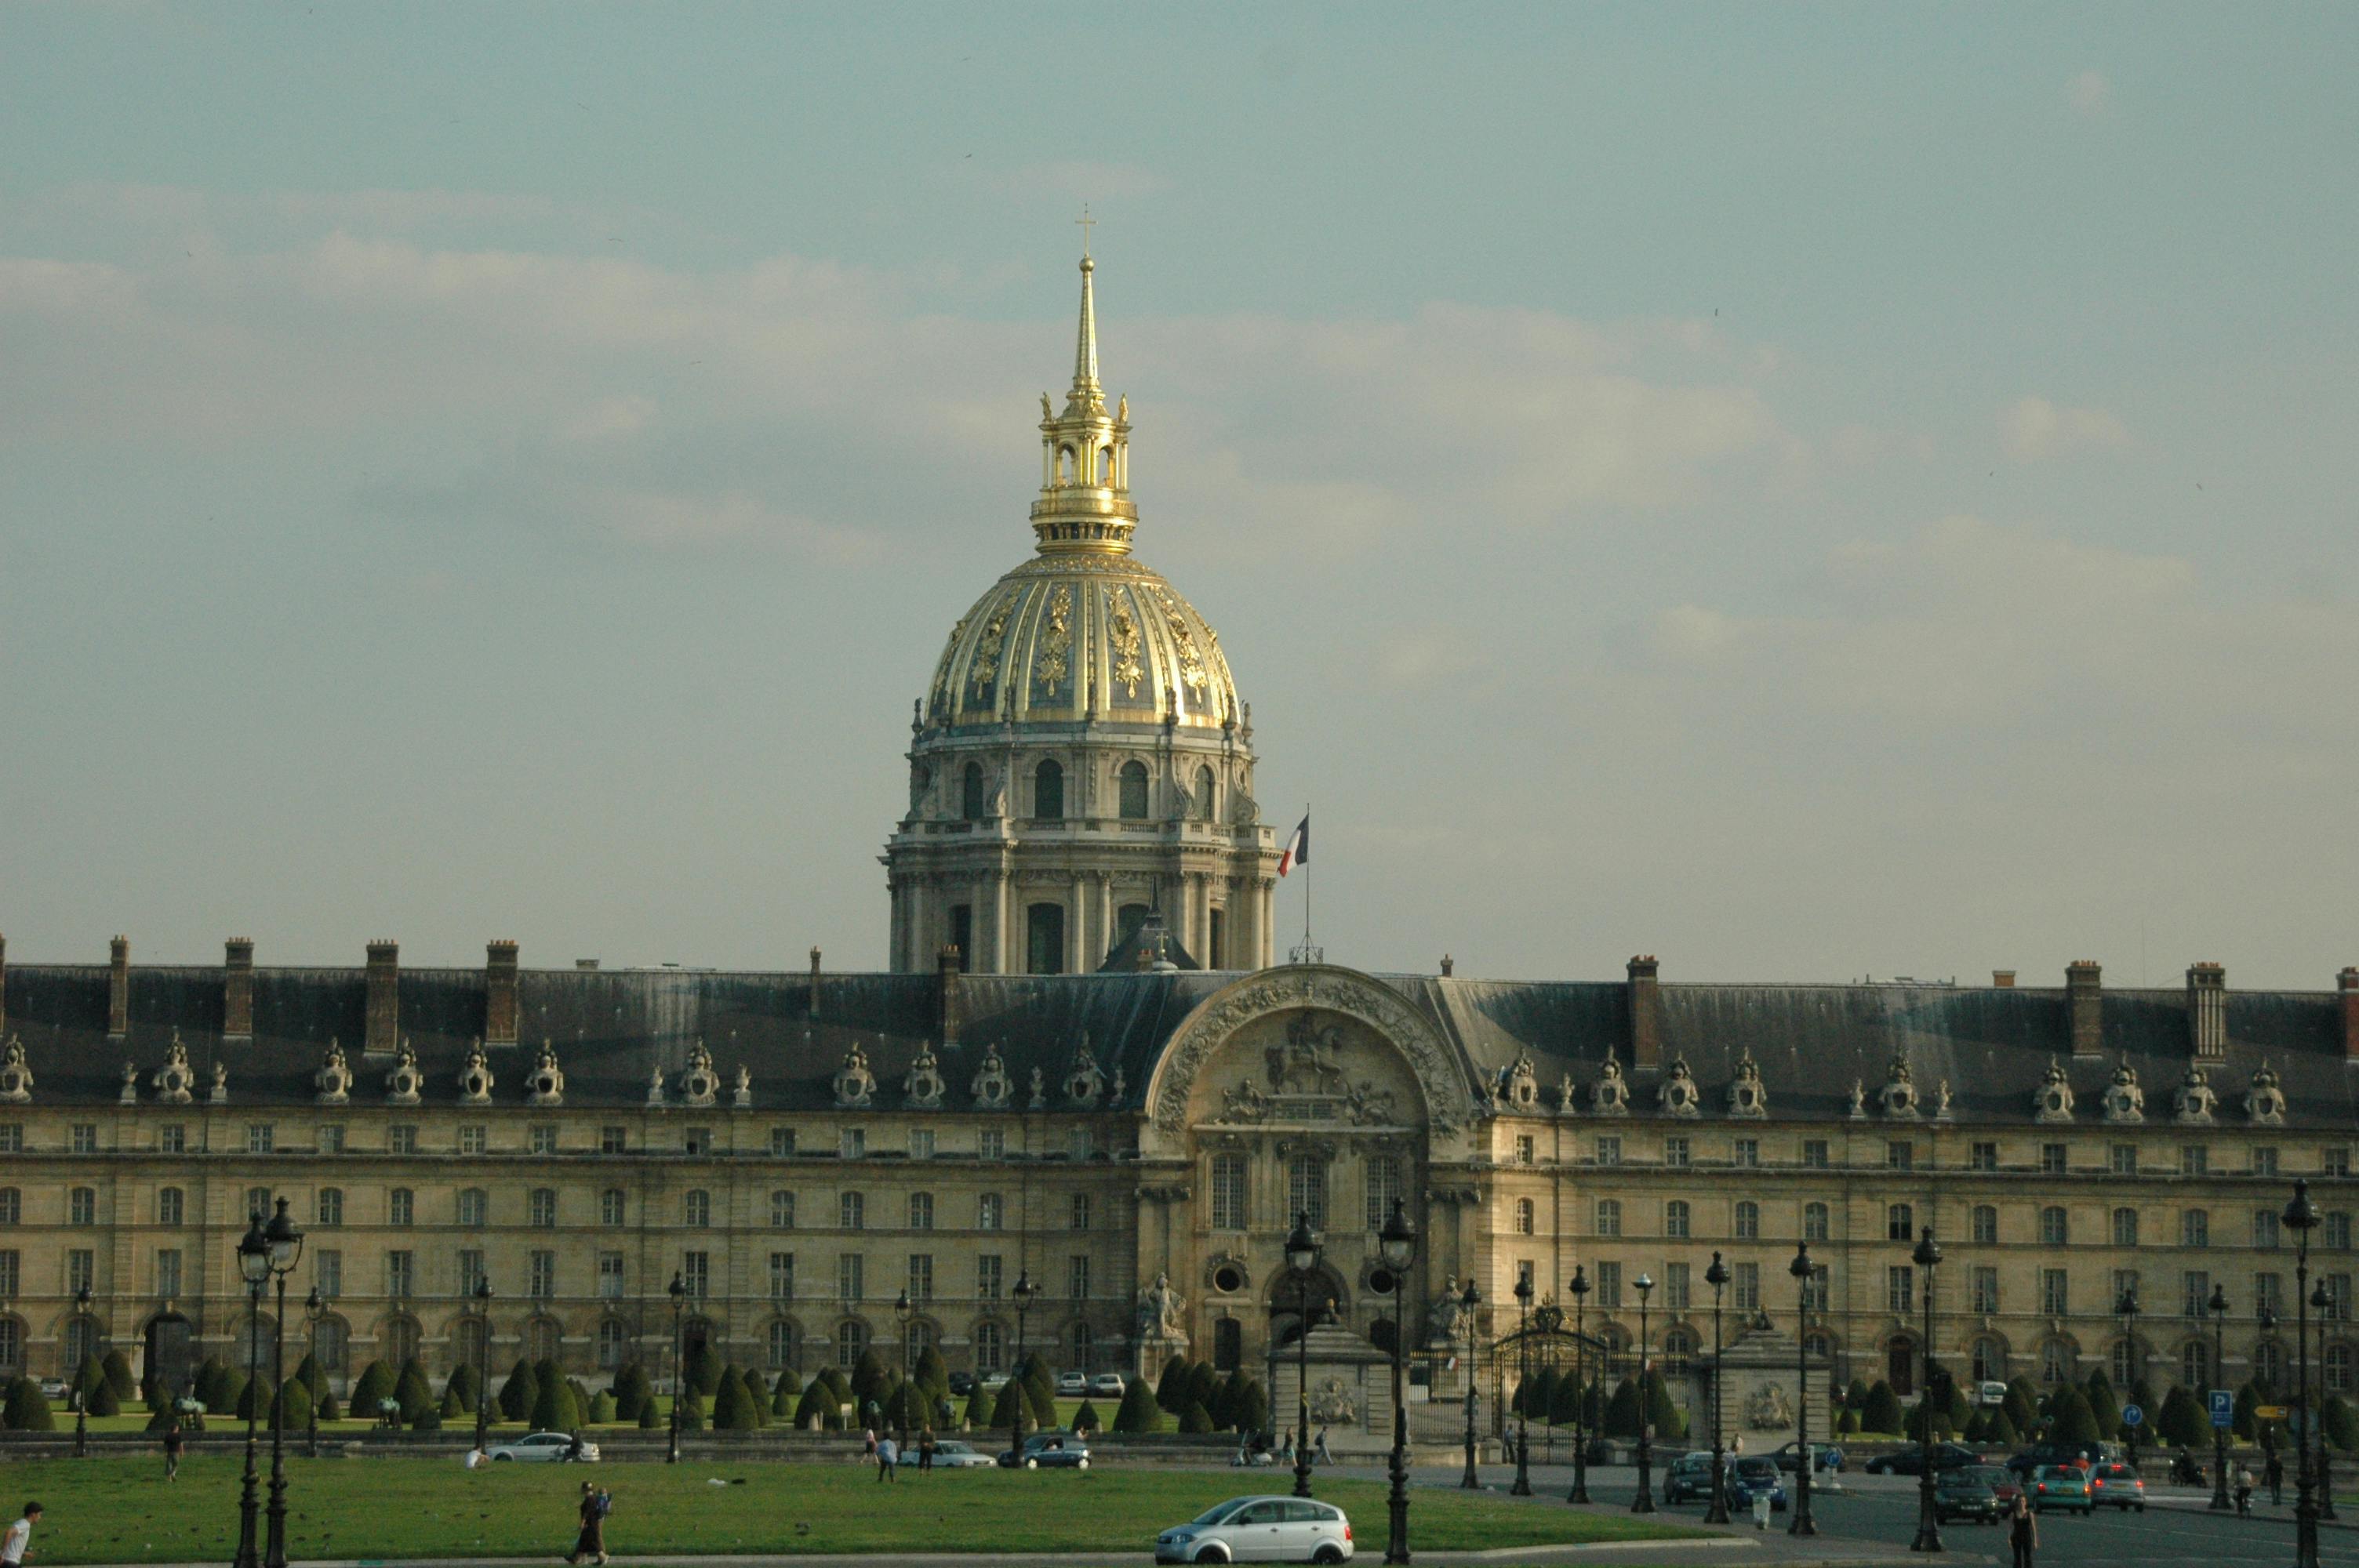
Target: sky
pixel 1806 491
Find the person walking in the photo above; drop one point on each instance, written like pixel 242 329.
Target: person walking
pixel 2274 1470
pixel 2244 1493
pixel 868 1441
pixel 590 1544
pixel 926 1452
pixel 172 1449
pixel 1286 1449
pixel 888 1457
pixel 1323 1456
pixel 2022 1530
pixel 18 1544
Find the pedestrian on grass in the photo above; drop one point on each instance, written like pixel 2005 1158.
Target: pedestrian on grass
pixel 926 1452
pixel 2022 1530
pixel 172 1449
pixel 2274 1470
pixel 888 1457
pixel 589 1545
pixel 1323 1457
pixel 16 1545
pixel 868 1442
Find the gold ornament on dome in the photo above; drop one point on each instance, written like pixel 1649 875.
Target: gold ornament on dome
pixel 1191 662
pixel 1051 665
pixel 986 652
pixel 1125 635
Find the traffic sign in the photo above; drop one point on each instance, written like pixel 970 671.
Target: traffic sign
pixel 2270 1412
pixel 2223 1408
pixel 2132 1415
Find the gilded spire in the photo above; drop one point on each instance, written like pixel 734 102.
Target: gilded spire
pixel 1084 501
pixel 1086 392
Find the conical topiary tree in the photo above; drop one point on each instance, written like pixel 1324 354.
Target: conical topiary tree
pixel 2182 1422
pixel 291 1410
pixel 1171 1388
pixel 2105 1411
pixel 233 1393
pixel 602 1409
pixel 785 1393
pixel 817 1405
pixel 1662 1413
pixel 1195 1419
pixel 553 1408
pixel 307 1373
pixel 1999 1431
pixel 933 1374
pixel 1043 1403
pixel 452 1406
pixel 1622 1411
pixel 703 1370
pixel 978 1406
pixel 375 1383
pixel 1086 1418
pixel 1881 1412
pixel 329 1408
pixel 118 1376
pixel 1203 1385
pixel 27 1409
pixel 464 1384
pixel 101 1399
pixel 2071 1420
pixel 254 1400
pixel 731 1411
pixel 650 1418
pixel 757 1396
pixel 520 1392
pixel 1138 1412
pixel 2334 1420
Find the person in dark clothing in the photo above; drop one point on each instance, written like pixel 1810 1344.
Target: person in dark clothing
pixel 172 1444
pixel 2022 1530
pixel 589 1545
pixel 925 1451
pixel 2243 1494
pixel 2274 1471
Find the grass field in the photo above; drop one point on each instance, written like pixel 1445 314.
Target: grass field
pixel 120 1511
pixel 136 1418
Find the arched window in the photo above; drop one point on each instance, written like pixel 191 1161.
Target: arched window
pixel 2268 1363
pixel 697 1210
pixel 82 1208
pixel 1048 791
pixel 543 1209
pixel 1305 1188
pixel 782 1211
pixel 1206 806
pixel 921 1211
pixel 971 792
pixel 1609 1217
pixel 1990 1361
pixel 1523 1216
pixel 12 1206
pixel 2126 1228
pixel 329 1207
pixel 1679 1344
pixel 613 1345
pixel 782 1345
pixel 1132 783
pixel 851 1343
pixel 541 1338
pixel 2195 1364
pixel 1228 1345
pixel 990 1348
pixel 1900 1223
pixel 81 1340
pixel 1986 1231
pixel 852 1211
pixel 1748 1220
pixel 475 1206
pixel 1078 1213
pixel 398 1338
pixel 610 1206
pixel 169 1201
pixel 1675 1221
pixel 1106 465
pixel 2053 1227
pixel 1044 939
pixel 1815 1222
pixel 1065 465
pixel 400 1207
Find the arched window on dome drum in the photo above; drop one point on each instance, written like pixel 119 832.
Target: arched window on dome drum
pixel 1064 465
pixel 1205 791
pixel 1049 792
pixel 970 793
pixel 1106 465
pixel 1132 781
pixel 1044 939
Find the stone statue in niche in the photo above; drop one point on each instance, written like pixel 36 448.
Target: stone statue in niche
pixel 1305 1060
pixel 1159 1310
pixel 1445 1320
pixel 1040 1091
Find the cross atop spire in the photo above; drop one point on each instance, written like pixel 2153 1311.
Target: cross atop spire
pixel 1085 221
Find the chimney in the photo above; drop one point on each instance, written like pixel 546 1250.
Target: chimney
pixel 2084 1006
pixel 4 986
pixel 382 1031
pixel 500 992
pixel 2207 1010
pixel 814 991
pixel 2348 982
pixel 1446 966
pixel 1646 1015
pixel 238 988
pixel 2002 978
pixel 949 1010
pixel 118 989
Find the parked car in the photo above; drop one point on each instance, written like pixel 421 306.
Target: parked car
pixel 1049 1451
pixel 1829 1458
pixel 544 1447
pixel 2060 1487
pixel 1260 1529
pixel 1910 1460
pixel 1108 1386
pixel 1071 1385
pixel 951 1454
pixel 2118 1485
pixel 53 1387
pixel 1750 1477
pixel 1967 1494
pixel 1688 1478
pixel 2041 1454
pixel 1990 1393
pixel 962 1383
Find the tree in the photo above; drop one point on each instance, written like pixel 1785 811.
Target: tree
pixel 2248 1403
pixel 701 1370
pixel 1012 1400
pixel 732 1406
pixel 817 1406
pixel 650 1418
pixel 932 1374
pixel 1856 1395
pixel 1662 1413
pixel 465 1385
pixel 1848 1422
pixel 233 1394
pixel 870 1380
pixel 307 1373
pixel 1203 1385
pixel 2104 1411
pixel 757 1397
pixel 453 1406
pixel 1880 1411
pixel 1043 1402
pixel 2182 1422
pixel 1999 1431
pixel 978 1406
pixel 1224 1407
pixel 1171 1388
pixel 2019 1408
pixel 1564 1400
pixel 1195 1419
pixel 417 1395
pixel 329 1408
pixel 785 1393
pixel 520 1392
pixel 27 1409
pixel 602 1409
pixel 291 1410
pixel 2335 1419
pixel 1253 1407
pixel 2071 1419
pixel 118 1376
pixel 691 1410
pixel 375 1383
pixel 633 1393
pixel 1622 1411
pixel 254 1400
pixel 1086 1418
pixel 553 1408
pixel 1138 1412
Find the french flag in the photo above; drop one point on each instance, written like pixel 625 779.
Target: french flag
pixel 1297 849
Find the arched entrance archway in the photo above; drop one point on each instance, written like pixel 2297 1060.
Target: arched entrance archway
pixel 168 1354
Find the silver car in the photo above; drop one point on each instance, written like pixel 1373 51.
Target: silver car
pixel 548 1447
pixel 1260 1529
pixel 952 1454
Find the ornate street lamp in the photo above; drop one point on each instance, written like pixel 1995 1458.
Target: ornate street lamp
pixel 1644 1503
pixel 1469 1303
pixel 1397 1245
pixel 2322 1300
pixel 483 1296
pixel 1021 1293
pixel 314 1311
pixel 2218 1307
pixel 1523 1487
pixel 902 1312
pixel 2126 1309
pixel 254 1267
pixel 1800 1269
pixel 1579 1287
pixel 1302 1257
pixel 2300 1216
pixel 678 1293
pixel 284 1242
pixel 1928 1256
pixel 81 1389
pixel 1717 1277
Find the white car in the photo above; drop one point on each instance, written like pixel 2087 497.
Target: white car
pixel 1108 1385
pixel 545 1447
pixel 952 1454
pixel 1260 1529
pixel 1071 1385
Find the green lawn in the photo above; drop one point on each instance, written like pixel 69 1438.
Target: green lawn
pixel 120 1511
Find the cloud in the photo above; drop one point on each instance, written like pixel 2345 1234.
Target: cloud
pixel 2032 429
pixel 2089 92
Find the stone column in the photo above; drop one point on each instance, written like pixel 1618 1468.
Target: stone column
pixel 1077 948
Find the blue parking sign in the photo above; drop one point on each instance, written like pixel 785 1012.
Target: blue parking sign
pixel 2223 1408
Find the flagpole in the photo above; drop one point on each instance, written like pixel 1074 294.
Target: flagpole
pixel 1305 892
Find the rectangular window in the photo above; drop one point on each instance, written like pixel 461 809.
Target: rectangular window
pixel 1899 1154
pixel 614 1139
pixel 921 1277
pixel 696 1274
pixel 81 1206
pixel 542 1209
pixel 1305 1188
pixel 851 1143
pixel 1609 1217
pixel 991 1144
pixel 1523 1148
pixel 2269 1293
pixel 2052 1161
pixel 2264 1160
pixel 474 1138
pixel 11 1274
pixel 1384 1186
pixel 1986 1225
pixel 86 1138
pixel 1677 1149
pixel 540 1140
pixel 330 1139
pixel 2338 1230
pixel 986 1277
pixel 1814 1153
pixel 921 1211
pixel 2195 1295
pixel 1745 1153
pixel 1077 1143
pixel 1676 1287
pixel 1818 1290
pixel 851 1210
pixel 850 1277
pixel 1986 1288
pixel 401 1137
pixel 1609 1287
pixel 2126 1283
pixel 1077 1212
pixel 782 1143
pixel 12 1137
pixel 81 1270
pixel 2055 1294
pixel 2265 1227
pixel 2338 1296
pixel 610 1276
pixel 1609 1148
pixel 1900 1289
pixel 989 1212
pixel 782 1211
pixel 470 1270
pixel 168 1273
pixel 400 1274
pixel 1524 1273
pixel 2195 1160
pixel 170 1140
pixel 1982 1157
pixel 2195 1228
pixel 400 1207
pixel 1228 1192
pixel 1077 1277
pixel 544 1276
pixel 782 1276
pixel 696 1140
pixel 328 1269
pixel 2334 1160
pixel 2124 1159
pixel 921 1144
pixel 1746 1286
